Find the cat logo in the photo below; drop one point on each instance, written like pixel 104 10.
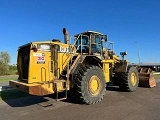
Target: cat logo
pixel 65 50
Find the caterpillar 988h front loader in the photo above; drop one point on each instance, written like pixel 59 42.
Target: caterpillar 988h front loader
pixel 83 67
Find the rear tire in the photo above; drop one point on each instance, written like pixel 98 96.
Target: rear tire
pixel 128 81
pixel 89 86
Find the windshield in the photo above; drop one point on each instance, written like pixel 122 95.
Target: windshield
pixel 84 44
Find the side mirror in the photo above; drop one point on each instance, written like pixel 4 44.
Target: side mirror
pixel 123 53
pixel 105 38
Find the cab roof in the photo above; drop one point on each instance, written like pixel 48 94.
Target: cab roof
pixel 88 32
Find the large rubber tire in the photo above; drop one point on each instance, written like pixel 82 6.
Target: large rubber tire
pixel 128 81
pixel 89 85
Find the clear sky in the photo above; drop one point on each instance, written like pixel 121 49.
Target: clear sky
pixel 124 21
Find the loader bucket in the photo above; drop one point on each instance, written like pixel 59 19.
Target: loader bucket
pixel 146 78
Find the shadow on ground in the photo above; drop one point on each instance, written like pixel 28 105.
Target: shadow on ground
pixel 112 87
pixel 16 98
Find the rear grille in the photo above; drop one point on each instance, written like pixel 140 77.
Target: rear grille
pixel 25 53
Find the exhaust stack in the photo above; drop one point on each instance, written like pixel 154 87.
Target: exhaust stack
pixel 66 36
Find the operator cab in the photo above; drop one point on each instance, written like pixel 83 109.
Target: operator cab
pixel 89 42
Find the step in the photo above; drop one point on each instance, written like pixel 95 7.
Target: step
pixel 57 96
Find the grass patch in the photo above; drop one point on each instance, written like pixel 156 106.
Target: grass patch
pixel 11 94
pixel 8 78
pixel 157 75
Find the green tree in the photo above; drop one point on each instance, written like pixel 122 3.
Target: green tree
pixel 13 69
pixel 4 62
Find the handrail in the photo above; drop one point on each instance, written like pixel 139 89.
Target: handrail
pixel 70 49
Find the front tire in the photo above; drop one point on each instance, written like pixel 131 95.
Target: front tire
pixel 128 81
pixel 89 86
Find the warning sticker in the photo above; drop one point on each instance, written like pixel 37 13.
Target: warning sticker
pixel 37 54
pixel 40 59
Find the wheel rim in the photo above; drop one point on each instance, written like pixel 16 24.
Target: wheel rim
pixel 133 79
pixel 94 85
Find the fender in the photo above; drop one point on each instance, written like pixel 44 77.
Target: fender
pixel 121 66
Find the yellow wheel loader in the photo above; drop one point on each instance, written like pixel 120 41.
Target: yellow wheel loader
pixel 83 67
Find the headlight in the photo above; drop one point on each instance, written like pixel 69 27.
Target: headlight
pixel 44 47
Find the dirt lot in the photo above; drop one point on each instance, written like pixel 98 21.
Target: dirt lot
pixel 144 104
